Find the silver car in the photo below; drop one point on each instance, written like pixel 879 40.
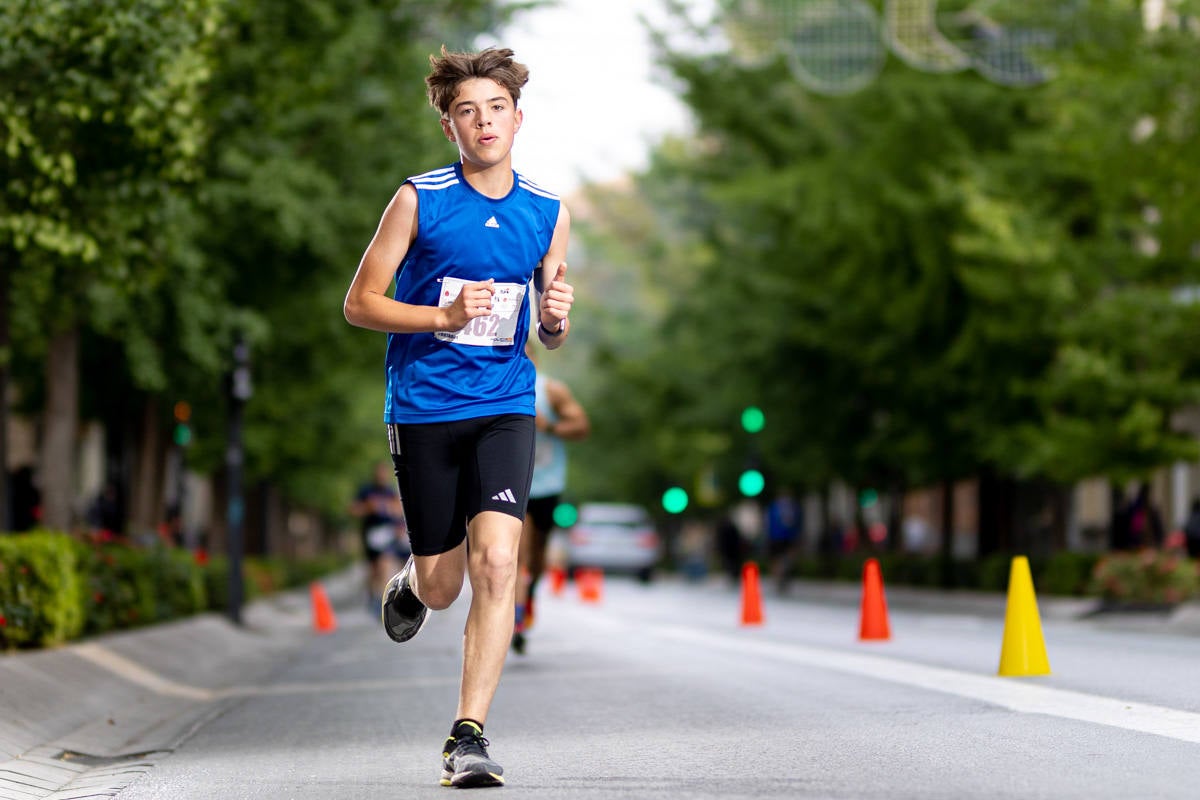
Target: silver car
pixel 616 537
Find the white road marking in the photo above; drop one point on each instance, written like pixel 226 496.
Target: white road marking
pixel 1011 693
pixel 135 673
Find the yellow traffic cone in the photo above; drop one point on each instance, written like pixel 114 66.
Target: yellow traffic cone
pixel 1024 650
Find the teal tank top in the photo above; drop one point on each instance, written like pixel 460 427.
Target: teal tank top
pixel 549 451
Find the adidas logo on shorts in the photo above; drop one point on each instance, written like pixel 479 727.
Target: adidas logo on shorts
pixel 507 496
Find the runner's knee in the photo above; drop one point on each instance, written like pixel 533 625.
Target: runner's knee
pixel 438 595
pixel 493 568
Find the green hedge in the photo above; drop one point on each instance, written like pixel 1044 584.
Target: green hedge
pixel 41 590
pixel 55 588
pixel 130 586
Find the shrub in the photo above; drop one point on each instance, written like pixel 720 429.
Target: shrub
pixel 41 592
pixel 116 594
pixel 993 572
pixel 54 588
pixel 176 582
pixel 1066 573
pixel 1148 576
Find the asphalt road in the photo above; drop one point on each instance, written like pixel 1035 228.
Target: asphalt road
pixel 659 692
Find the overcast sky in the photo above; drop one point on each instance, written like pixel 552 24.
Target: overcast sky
pixel 591 107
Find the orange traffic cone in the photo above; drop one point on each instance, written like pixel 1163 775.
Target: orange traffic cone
pixel 752 613
pixel 873 623
pixel 324 620
pixel 558 579
pixel 591 585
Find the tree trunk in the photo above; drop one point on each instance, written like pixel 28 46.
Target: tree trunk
pixel 895 520
pixel 825 540
pixel 6 509
pixel 60 428
pixel 947 554
pixel 148 469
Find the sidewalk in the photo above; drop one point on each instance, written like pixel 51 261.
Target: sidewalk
pixel 112 702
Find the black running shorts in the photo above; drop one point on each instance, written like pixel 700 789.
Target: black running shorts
pixel 540 511
pixel 450 471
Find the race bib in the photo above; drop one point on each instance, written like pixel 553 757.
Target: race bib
pixel 495 330
pixel 380 537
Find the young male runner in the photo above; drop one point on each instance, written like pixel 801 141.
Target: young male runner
pixel 463 243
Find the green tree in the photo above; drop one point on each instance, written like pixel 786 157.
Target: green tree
pixel 928 279
pixel 318 112
pixel 1108 170
pixel 98 114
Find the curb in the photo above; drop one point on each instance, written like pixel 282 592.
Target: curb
pixel 1182 619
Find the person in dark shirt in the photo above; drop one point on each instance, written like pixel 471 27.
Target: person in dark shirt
pixel 384 535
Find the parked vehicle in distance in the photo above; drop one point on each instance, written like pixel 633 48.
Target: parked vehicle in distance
pixel 615 537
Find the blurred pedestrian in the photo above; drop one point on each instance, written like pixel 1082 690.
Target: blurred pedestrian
pixel 106 514
pixel 25 499
pixel 462 244
pixel 1143 523
pixel 382 530
pixel 731 547
pixel 560 419
pixel 694 548
pixel 785 525
pixel 1191 530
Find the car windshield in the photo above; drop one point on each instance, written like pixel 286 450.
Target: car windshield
pixel 613 515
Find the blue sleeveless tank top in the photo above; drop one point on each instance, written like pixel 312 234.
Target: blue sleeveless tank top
pixel 465 236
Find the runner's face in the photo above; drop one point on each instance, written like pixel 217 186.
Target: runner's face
pixel 482 121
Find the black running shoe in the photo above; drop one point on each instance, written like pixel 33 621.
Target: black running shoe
pixel 465 761
pixel 403 614
pixel 518 643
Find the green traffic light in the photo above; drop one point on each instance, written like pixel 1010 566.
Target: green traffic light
pixel 751 483
pixel 183 435
pixel 674 500
pixel 753 419
pixel 565 515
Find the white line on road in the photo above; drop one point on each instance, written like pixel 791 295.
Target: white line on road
pixel 1010 693
pixel 137 674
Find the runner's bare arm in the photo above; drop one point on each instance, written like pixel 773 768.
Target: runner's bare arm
pixel 367 304
pixel 573 424
pixel 557 295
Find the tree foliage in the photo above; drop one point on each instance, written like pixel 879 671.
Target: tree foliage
pixel 100 125
pixel 920 281
pixel 318 113
pixel 181 173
